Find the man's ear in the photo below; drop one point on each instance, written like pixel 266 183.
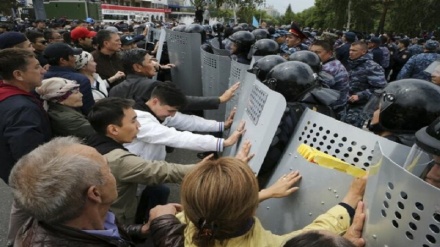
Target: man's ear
pixel 18 74
pixel 93 194
pixel 112 130
pixel 137 67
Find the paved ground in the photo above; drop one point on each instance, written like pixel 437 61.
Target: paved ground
pixel 178 156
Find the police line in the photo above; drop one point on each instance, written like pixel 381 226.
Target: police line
pixel 401 209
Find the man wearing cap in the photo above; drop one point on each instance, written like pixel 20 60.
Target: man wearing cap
pixel 24 124
pixel 280 37
pixel 128 42
pixel 343 51
pixel 62 64
pixel 39 43
pixel 294 40
pixel 15 40
pixel 373 48
pixel 82 38
pixel 416 65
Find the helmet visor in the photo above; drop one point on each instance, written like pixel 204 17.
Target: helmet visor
pixel 434 67
pixel 418 161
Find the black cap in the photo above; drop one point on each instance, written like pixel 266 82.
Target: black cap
pixel 127 39
pixel 58 50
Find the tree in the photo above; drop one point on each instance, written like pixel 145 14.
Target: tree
pixel 288 15
pixel 6 6
pixel 197 3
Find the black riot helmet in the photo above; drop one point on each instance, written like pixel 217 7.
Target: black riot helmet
pixel 264 47
pixel 196 28
pixel 244 40
pixel 307 57
pixel 408 105
pixel 292 79
pixel 179 28
pixel 261 33
pixel 262 66
pixel 217 27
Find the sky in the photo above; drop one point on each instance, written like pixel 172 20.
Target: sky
pixel 297 5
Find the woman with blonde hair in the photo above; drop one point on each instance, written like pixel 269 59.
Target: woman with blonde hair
pixel 220 198
pixel 62 100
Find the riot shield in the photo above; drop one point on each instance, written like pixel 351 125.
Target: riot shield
pixel 184 52
pixel 320 188
pixel 154 34
pixel 261 109
pixel 215 80
pixel 401 209
pixel 238 73
pixel 160 48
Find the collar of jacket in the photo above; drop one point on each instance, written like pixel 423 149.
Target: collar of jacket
pixel 103 144
pixel 142 106
pixel 107 56
pixel 329 60
pixel 7 90
pixel 361 59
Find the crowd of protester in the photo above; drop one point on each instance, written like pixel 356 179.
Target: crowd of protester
pixel 85 129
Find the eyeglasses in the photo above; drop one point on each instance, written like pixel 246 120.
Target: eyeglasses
pixel 43 42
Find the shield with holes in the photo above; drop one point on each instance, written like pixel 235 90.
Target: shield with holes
pixel 320 188
pixel 261 109
pixel 237 73
pixel 184 52
pixel 401 209
pixel 215 81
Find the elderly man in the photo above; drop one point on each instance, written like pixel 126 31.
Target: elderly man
pixel 81 189
pixel 365 77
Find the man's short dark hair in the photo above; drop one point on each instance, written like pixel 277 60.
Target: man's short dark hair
pixel 102 36
pixel 12 59
pixel 360 43
pixel 33 35
pixel 131 57
pixel 324 44
pixel 108 111
pixel 169 94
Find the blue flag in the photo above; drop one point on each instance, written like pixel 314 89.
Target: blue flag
pixel 255 22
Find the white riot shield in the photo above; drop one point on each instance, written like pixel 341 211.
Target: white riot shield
pixel 320 188
pixel 238 73
pixel 154 34
pixel 215 80
pixel 401 209
pixel 261 109
pixel 184 52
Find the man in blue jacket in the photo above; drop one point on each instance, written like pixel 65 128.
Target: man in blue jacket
pixel 62 64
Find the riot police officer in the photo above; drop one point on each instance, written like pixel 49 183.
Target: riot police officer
pixel 241 45
pixel 295 81
pixel 402 108
pixel 263 47
pixel 263 66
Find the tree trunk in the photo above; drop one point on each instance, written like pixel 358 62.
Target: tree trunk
pixel 381 26
pixel 349 16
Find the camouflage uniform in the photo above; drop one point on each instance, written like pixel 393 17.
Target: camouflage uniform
pixel 365 77
pixel 291 50
pixel 284 49
pixel 337 70
pixel 415 49
pixel 416 65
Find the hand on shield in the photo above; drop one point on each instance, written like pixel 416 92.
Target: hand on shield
pixel 228 94
pixel 233 138
pixel 282 187
pixel 230 119
pixel 356 192
pixel 354 232
pixel 243 154
pixel 167 66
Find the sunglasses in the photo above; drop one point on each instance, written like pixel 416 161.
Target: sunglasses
pixel 43 42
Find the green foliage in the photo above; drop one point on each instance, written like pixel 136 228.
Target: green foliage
pixel 289 16
pixel 6 5
pixel 197 3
